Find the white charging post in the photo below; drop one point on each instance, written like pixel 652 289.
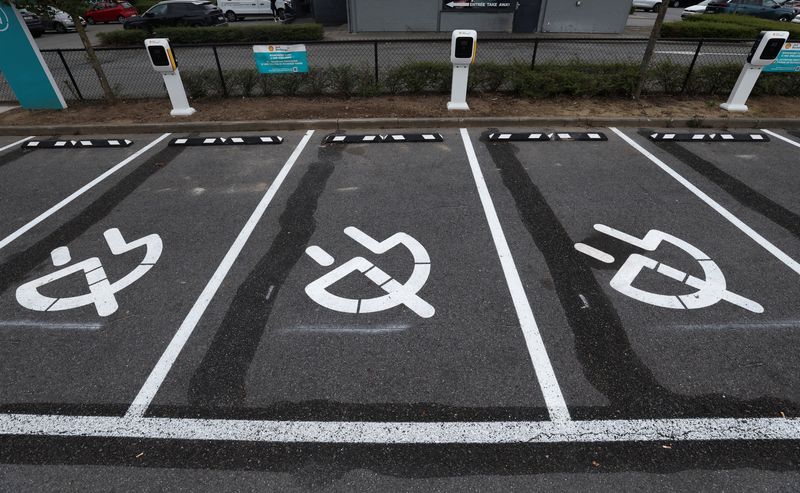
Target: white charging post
pixel 462 55
pixel 163 61
pixel 766 49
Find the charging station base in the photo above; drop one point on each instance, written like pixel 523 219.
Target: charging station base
pixel 457 106
pixel 735 108
pixel 183 112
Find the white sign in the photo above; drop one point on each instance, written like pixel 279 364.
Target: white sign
pixel 710 290
pixel 101 291
pixel 397 294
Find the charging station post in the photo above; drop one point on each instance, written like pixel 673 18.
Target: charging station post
pixel 163 61
pixel 766 49
pixel 462 54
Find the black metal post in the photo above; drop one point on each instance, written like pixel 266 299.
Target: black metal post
pixel 691 67
pixel 69 73
pixel 376 63
pixel 219 71
pixel 535 49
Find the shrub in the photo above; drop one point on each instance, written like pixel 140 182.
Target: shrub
pixel 143 5
pixel 714 79
pixel 202 83
pixel 418 77
pixel 286 84
pixel 347 80
pixel 230 34
pixel 667 76
pixel 242 82
pixel 316 81
pixel 725 26
pixel 487 77
pixel 574 79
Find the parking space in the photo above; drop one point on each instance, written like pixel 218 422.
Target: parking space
pixel 372 292
pixel 414 286
pixel 34 180
pixel 91 297
pixel 670 309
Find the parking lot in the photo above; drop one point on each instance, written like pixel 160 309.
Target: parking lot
pixel 475 287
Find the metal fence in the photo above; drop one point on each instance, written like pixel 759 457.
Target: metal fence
pixel 130 75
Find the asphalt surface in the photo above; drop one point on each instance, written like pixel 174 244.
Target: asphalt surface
pixel 402 315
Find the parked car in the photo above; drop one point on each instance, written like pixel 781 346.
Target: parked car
pixel 34 23
pixel 58 20
pixel 698 9
pixel 683 3
pixel 236 10
pixel 796 20
pixel 792 4
pixel 109 12
pixel 177 13
pixel 766 9
pixel 651 5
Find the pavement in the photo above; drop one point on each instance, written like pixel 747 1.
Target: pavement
pixel 420 308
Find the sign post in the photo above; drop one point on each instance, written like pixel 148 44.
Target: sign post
pixel 281 59
pixel 22 64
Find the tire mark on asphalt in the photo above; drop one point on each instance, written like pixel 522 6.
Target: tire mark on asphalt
pixel 17 266
pixel 609 361
pixel 741 192
pixel 219 381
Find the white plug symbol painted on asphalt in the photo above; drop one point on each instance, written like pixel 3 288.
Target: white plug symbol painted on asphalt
pixel 710 290
pixel 101 291
pixel 397 294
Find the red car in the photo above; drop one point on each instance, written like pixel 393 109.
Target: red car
pixel 109 12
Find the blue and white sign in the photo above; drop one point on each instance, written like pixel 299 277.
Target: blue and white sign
pixel 788 59
pixel 281 59
pixel 22 64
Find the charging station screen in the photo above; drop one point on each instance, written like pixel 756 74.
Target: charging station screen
pixel 463 47
pixel 159 56
pixel 774 46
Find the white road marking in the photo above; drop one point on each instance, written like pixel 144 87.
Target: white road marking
pixel 162 368
pixel 594 253
pixel 49 212
pixel 644 430
pixel 556 406
pixel 768 132
pixel 320 256
pixel 766 244
pixel 20 141
pixel 38 324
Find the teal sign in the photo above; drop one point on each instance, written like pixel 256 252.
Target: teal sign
pixel 22 64
pixel 281 59
pixel 788 59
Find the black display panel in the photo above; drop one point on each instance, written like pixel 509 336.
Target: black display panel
pixel 464 45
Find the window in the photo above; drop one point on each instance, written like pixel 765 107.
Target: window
pixel 159 9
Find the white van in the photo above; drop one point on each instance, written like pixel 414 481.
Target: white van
pixel 236 10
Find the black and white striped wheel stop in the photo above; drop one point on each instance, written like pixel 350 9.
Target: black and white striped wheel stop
pixel 705 137
pixel 73 144
pixel 227 141
pixel 381 139
pixel 547 136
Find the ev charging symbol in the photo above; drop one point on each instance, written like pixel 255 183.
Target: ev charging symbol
pixel 101 291
pixel 397 294
pixel 710 290
pixel 4 24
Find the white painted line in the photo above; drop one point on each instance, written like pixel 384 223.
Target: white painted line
pixel 594 253
pixel 339 138
pixel 320 256
pixel 49 212
pixel 355 432
pixel 504 136
pixel 777 252
pixel 428 137
pixel 756 137
pixel 181 141
pixel 535 136
pixel 727 137
pixel 113 142
pixel 768 132
pixel 162 368
pixel 237 140
pixel 564 136
pixel 20 141
pixel 60 143
pixel 594 136
pixel 369 138
pixel 556 406
pixel 209 141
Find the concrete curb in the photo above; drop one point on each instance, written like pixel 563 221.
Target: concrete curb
pixel 380 123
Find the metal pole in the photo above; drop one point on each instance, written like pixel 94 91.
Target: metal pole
pixel 691 67
pixel 69 73
pixel 535 49
pixel 219 71
pixel 376 63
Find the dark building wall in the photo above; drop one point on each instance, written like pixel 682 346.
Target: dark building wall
pixel 329 12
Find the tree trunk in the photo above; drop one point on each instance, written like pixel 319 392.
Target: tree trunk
pixel 93 61
pixel 651 46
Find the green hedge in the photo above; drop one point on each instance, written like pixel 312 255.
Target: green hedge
pixel 227 34
pixel 725 26
pixel 143 5
pixel 546 80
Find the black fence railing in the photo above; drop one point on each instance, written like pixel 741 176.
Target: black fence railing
pixel 229 69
